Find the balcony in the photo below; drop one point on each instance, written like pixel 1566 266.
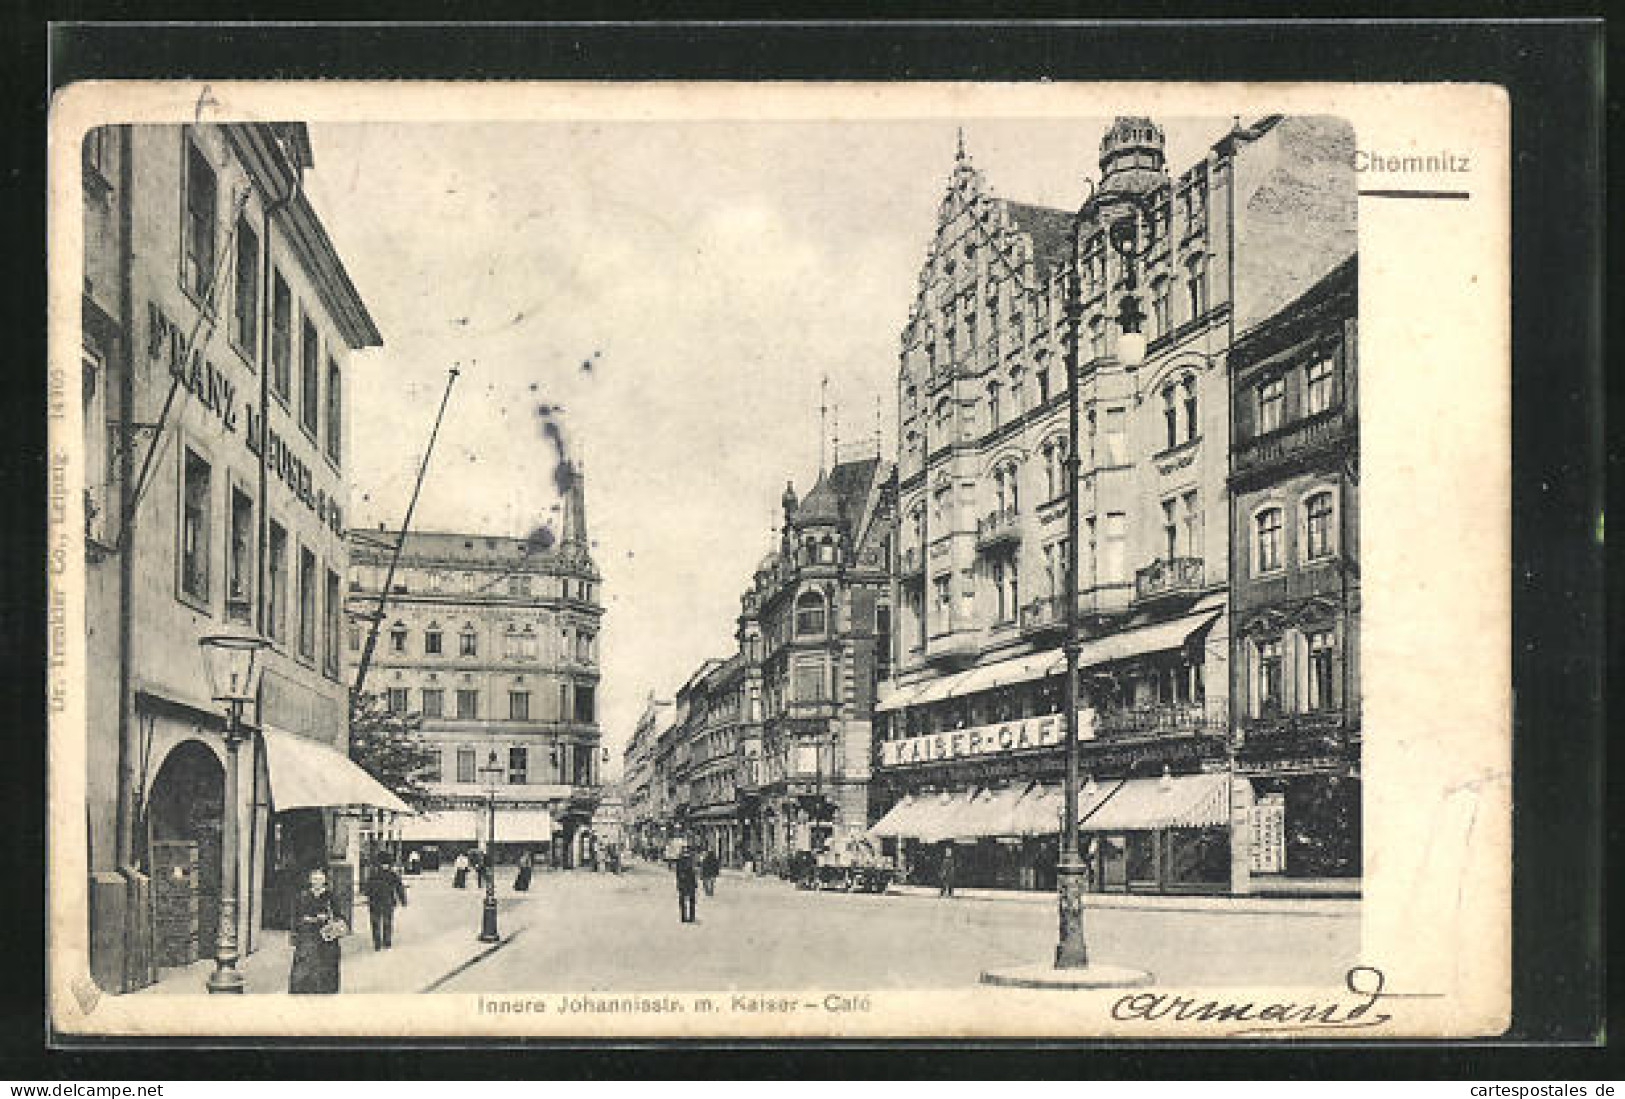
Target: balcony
pixel 911 562
pixel 953 645
pixel 1043 615
pixel 1279 734
pixel 997 528
pixel 1173 719
pixel 1319 431
pixel 1168 578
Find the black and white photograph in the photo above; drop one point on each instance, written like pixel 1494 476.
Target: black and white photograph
pixel 843 561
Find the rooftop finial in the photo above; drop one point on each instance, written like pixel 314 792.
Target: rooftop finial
pixel 960 155
pixel 823 420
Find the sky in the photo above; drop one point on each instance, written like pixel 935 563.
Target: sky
pixel 673 294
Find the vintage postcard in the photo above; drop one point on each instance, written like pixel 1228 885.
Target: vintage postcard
pixel 783 560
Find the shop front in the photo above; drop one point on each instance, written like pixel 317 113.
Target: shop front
pixel 1162 835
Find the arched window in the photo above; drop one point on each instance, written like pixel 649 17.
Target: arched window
pixel 809 614
pixel 1267 540
pixel 1318 526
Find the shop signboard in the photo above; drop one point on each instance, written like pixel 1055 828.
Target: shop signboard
pixel 1269 834
pixel 984 740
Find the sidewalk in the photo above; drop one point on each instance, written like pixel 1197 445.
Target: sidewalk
pixel 1255 905
pixel 435 934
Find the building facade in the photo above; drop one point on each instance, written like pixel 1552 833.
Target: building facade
pixel 218 321
pixel 494 642
pixel 638 778
pixel 1295 586
pixel 822 612
pixel 971 750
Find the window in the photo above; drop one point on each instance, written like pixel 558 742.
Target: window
pixel 518 705
pixel 397 638
pixel 1318 526
pixel 1097 338
pixel 1318 387
pixel 335 410
pixel 281 336
pixel 1116 440
pixel 432 639
pixel 309 378
pixel 944 597
pixel 276 581
pixel 307 603
pixel 809 614
pixel 518 765
pixel 1012 590
pixel 1112 558
pixel 240 552
pixel 334 608
pixel 1188 392
pixel 431 766
pixel 1322 660
pixel 468 704
pixel 1043 383
pixel 354 633
pixel 468 642
pixel 1170 415
pixel 1267 539
pixel 1268 685
pixel 1271 396
pixel 809 682
pixel 434 702
pixel 993 404
pixel 465 765
pixel 195 526
pixel 1001 612
pixel 245 321
pixel 1196 285
pixel 1159 307
pixel 1193 524
pixel 586 699
pixel 397 700
pixel 1170 531
pixel 1017 393
pixel 201 195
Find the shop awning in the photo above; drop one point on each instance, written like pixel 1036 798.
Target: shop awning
pixel 892 825
pixel 306 774
pixel 895 698
pixel 938 689
pixel 1144 804
pixel 940 817
pixel 989 813
pixel 1018 669
pixel 1039 812
pixel 443 826
pixel 515 824
pixel 1144 639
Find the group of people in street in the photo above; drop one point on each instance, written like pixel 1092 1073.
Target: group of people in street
pixel 693 873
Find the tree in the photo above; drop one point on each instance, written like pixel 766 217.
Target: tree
pixel 389 747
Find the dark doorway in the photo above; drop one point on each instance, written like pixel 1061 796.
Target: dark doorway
pixel 297 844
pixel 184 814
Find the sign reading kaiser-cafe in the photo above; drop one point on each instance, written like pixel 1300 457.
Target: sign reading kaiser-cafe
pixel 984 740
pixel 216 392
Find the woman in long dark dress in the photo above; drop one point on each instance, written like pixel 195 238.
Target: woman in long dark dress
pixel 521 881
pixel 315 954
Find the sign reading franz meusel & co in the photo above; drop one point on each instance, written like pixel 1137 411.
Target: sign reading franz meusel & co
pixel 217 393
pixel 984 740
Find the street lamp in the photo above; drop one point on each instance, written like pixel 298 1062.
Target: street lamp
pixel 491 773
pixel 231 659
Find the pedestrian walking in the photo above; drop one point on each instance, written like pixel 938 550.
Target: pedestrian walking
pixel 686 886
pixel 414 863
pixel 521 881
pixel 384 890
pixel 316 932
pixel 459 871
pixel 947 871
pixel 709 868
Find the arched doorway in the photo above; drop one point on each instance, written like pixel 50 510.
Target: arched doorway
pixel 184 813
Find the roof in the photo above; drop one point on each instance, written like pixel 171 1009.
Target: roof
pixel 1051 233
pixel 454 547
pixel 840 492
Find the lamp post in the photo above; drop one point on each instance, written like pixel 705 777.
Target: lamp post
pixel 491 773
pixel 231 659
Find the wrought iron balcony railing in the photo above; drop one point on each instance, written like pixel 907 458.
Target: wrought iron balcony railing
pixel 1167 577
pixel 998 527
pixel 1210 718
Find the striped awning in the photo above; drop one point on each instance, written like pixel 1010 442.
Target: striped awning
pixel 1017 669
pixel 1039 813
pixel 1146 804
pixel 990 813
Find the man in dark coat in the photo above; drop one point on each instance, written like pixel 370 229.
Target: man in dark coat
pixel 687 884
pixel 384 891
pixel 709 867
pixel 948 869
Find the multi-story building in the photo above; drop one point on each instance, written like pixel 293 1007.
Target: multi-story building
pixel 710 706
pixel 218 321
pixel 821 609
pixel 1295 583
pixel 494 642
pixel 971 751
pixel 638 779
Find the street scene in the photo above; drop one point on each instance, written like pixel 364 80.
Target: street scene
pixel 905 554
